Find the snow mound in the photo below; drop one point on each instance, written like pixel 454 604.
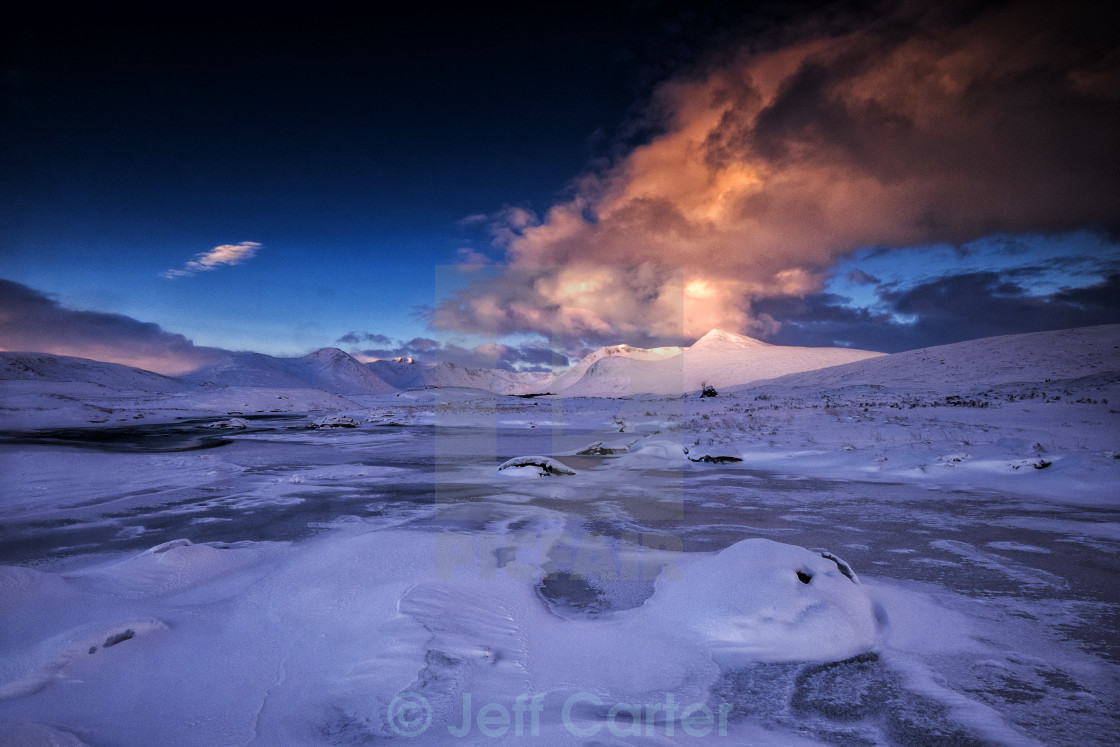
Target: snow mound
pixel 172 566
pixel 760 600
pixel 28 671
pixel 537 465
pixel 656 452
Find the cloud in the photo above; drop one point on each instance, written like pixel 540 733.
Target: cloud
pixel 942 310
pixel 933 123
pixel 354 338
pixel 859 277
pixel 469 258
pixel 32 322
pixel 226 254
pixel 529 356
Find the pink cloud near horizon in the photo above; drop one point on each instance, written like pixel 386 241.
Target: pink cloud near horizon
pixel 32 322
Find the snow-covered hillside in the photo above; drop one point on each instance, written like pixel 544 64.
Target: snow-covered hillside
pixel 727 361
pixel 720 359
pixel 406 374
pixel 974 365
pixel 46 367
pixel 612 356
pixel 328 369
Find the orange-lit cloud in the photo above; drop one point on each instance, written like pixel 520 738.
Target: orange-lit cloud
pixel 226 254
pixel 910 129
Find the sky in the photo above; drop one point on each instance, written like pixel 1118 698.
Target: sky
pixel 514 184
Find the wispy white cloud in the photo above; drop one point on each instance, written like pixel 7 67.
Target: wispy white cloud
pixel 226 254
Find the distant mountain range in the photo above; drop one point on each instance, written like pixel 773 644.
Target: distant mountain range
pixel 407 374
pixel 329 369
pixel 719 359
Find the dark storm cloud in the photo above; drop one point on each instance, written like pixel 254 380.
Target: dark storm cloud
pixel 943 310
pixel 33 322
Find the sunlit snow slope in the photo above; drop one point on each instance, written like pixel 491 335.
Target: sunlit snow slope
pixel 720 359
pixel 1032 358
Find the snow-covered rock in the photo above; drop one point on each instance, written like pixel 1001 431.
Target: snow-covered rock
pixel 599 448
pixel 334 421
pixel 233 424
pixel 709 459
pixel 536 465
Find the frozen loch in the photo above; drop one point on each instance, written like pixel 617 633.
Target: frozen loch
pixel 818 558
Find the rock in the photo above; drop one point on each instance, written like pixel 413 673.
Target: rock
pixel 544 466
pixel 335 421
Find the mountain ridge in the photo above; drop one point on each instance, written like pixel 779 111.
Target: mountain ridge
pixel 721 359
pixel 329 369
pixel 1024 358
pixel 31 366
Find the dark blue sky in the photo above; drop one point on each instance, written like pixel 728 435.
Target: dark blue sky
pixel 363 146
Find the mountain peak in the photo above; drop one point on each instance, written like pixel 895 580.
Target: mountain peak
pixel 329 354
pixel 718 337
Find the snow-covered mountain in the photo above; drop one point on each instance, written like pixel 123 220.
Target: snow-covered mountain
pixel 1033 358
pixel 406 373
pixel 720 359
pixel 328 369
pixel 612 357
pixel 46 367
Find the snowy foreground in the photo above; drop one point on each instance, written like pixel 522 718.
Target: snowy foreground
pixel 917 549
